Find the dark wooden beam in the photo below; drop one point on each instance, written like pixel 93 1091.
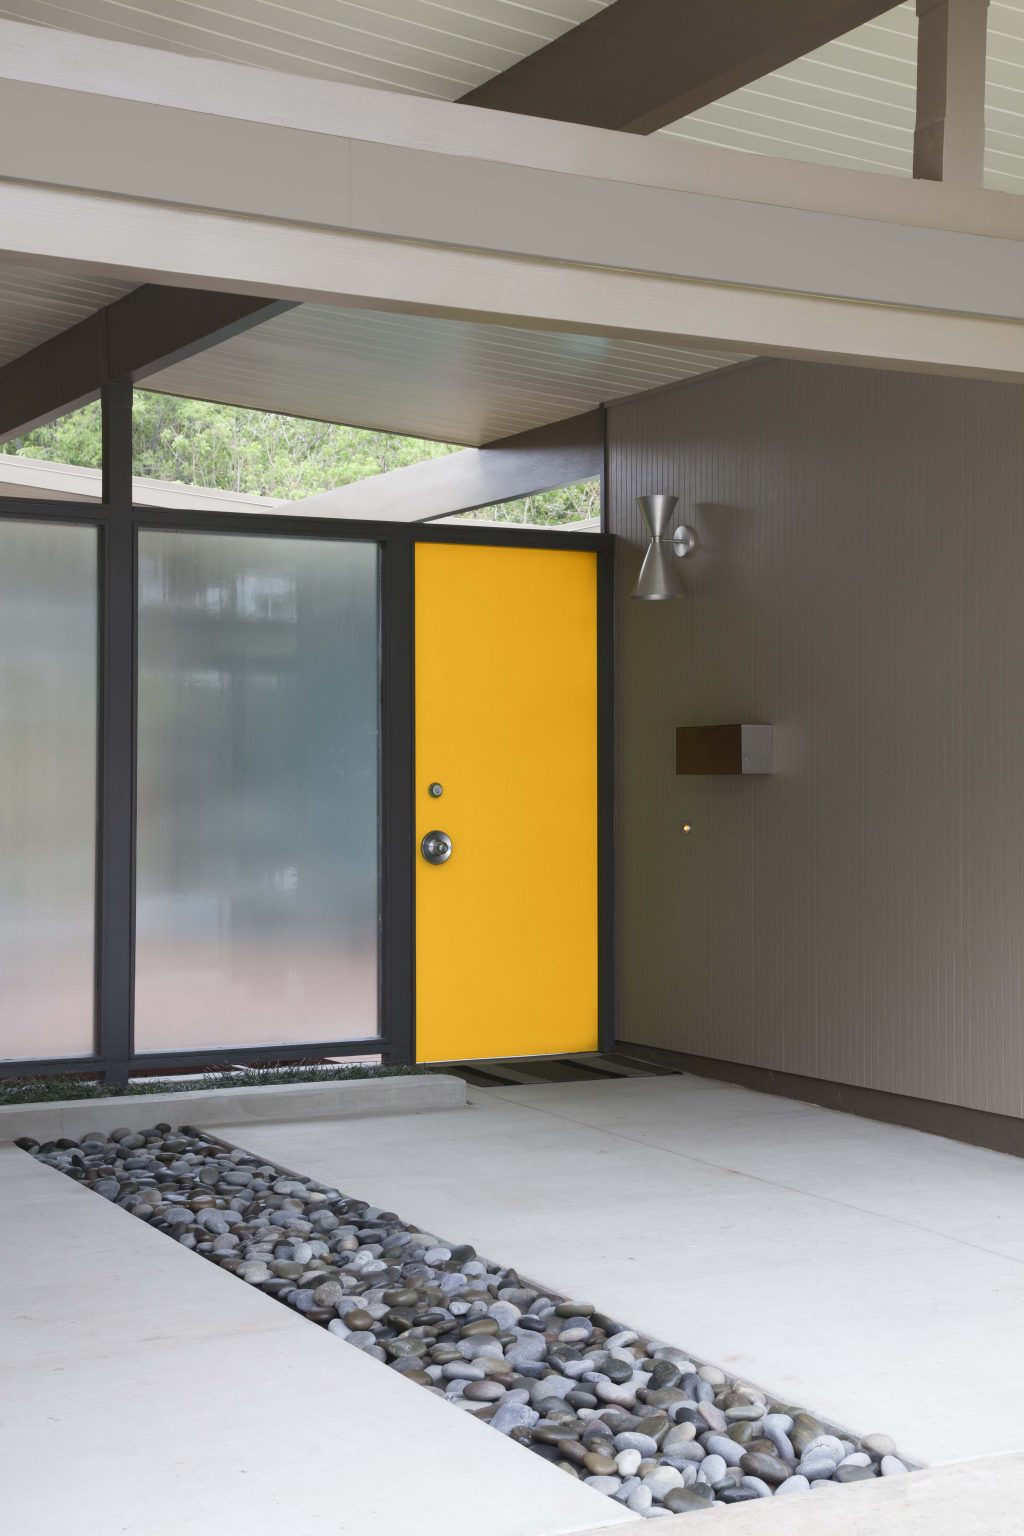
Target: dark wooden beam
pixel 641 64
pixel 125 342
pixel 540 459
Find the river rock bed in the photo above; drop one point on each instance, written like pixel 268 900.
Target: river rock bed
pixel 637 1419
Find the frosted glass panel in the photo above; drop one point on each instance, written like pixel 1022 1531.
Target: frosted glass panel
pixel 256 885
pixel 48 637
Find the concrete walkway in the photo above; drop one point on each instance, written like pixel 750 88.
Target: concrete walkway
pixel 872 1274
pixel 148 1393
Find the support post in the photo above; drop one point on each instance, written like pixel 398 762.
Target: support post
pixel 115 905
pixel 397 786
pixel 949 136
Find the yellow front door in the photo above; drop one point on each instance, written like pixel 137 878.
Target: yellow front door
pixel 506 724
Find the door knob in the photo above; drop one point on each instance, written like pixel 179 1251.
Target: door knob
pixel 436 847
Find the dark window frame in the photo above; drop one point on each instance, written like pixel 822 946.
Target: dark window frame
pixel 119 523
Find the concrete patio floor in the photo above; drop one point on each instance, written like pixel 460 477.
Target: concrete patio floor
pixel 149 1393
pixel 872 1274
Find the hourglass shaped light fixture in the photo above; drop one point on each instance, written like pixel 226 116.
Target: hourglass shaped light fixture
pixel 659 574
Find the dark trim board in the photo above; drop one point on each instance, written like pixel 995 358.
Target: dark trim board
pixel 298 526
pixel 184 1062
pixel 285 525
pixel 976 1127
pixel 53 1066
pixel 28 509
pixel 397 892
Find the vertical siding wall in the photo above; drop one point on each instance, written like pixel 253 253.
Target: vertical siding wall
pixel 860 584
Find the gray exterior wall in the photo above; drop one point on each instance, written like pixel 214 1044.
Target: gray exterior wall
pixel 859 583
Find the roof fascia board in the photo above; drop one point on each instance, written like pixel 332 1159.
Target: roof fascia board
pixel 40 480
pixel 124 71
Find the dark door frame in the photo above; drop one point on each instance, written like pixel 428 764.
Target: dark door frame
pixel 118 525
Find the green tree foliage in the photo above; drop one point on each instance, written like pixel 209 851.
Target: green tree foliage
pixel 197 442
pixel 73 439
pixel 570 504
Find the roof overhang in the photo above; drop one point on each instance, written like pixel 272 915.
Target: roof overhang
pixel 192 173
pixel 28 479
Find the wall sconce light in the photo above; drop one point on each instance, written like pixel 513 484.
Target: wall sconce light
pixel 659 575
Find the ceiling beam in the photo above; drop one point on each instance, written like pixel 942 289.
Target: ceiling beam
pixel 466 198
pixel 433 208
pixel 196 248
pixel 126 341
pixel 949 138
pixel 254 141
pixel 542 459
pixel 641 64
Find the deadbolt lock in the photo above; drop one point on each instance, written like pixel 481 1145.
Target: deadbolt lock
pixel 436 847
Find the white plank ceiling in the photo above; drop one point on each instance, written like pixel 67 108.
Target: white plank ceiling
pixel 443 379
pixel 427 47
pixel 35 305
pixel 1004 109
pixel 850 103
pixel 446 379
